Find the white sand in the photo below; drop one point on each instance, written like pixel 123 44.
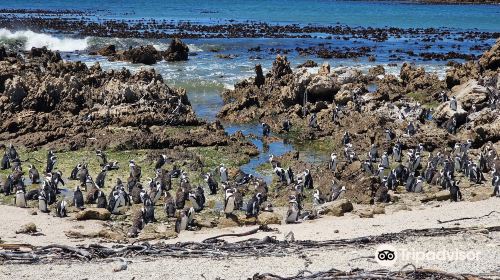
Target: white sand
pixel 487 245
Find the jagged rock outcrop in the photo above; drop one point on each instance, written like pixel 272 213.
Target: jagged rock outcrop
pixel 44 100
pixel 490 60
pixel 177 51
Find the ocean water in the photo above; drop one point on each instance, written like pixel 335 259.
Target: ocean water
pixel 405 14
pixel 205 75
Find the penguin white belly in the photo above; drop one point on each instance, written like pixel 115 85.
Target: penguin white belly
pixel 20 199
pixel 229 206
pixel 292 216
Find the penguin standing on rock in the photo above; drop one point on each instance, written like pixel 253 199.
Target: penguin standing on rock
pixel 453 103
pixel 254 205
pixel 229 202
pixel 308 180
pixel 223 173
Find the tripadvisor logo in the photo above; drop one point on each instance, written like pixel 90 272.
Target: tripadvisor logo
pixel 385 255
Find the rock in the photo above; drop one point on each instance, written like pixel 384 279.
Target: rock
pixel 322 88
pixel 14 89
pixel 269 218
pixel 27 228
pixel 177 51
pixel 490 60
pixel 281 67
pixel 376 71
pixel 349 76
pixel 93 214
pixel 324 70
pixel 470 93
pixel 308 64
pixel 366 213
pixel 336 208
pixel 32 212
pixel 379 209
pixel 3 53
pixel 259 76
pixel 460 73
pixel 480 193
pixel 108 50
pixel 144 54
pixel 443 112
pixel 438 196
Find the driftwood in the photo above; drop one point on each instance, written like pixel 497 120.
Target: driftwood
pixel 415 273
pixel 467 218
pixel 216 248
pixel 253 231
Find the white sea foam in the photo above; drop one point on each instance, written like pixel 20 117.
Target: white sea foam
pixel 32 39
pixel 194 48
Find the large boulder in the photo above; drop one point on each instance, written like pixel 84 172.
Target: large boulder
pixel 443 112
pixel 490 60
pixel 144 54
pixel 269 218
pixel 336 208
pixel 470 93
pixel 281 67
pixel 177 51
pixel 93 214
pixel 108 50
pixel 460 73
pixel 322 88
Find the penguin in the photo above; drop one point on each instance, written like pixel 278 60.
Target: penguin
pixel 103 159
pixel 396 153
pixel 51 164
pixel 293 212
pixel 212 184
pixel 418 187
pixel 457 163
pixel 229 202
pixel 410 182
pixel 184 220
pixel 308 180
pixel 135 193
pixel 61 209
pixel 455 194
pixel 453 103
pixel 42 202
pixel 410 129
pixel 195 201
pixel 113 202
pixel 156 193
pixel 165 179
pixel 346 138
pixel 78 201
pixel 368 167
pixel 373 153
pixel 289 176
pixel 149 211
pixel 384 161
pixel 5 162
pixel 74 172
pixel 244 179
pixel 180 198
pixel 280 172
pixel 8 185
pixel 332 165
pixel 336 193
pixel 101 200
pixel 389 134
pixel 495 183
pixel 266 130
pixel 317 198
pixel 82 174
pixel 253 206
pixel 160 162
pixel 20 199
pixel 313 121
pixel 169 205
pixel 135 170
pixel 286 125
pixel 101 178
pixel 12 153
pixel 223 173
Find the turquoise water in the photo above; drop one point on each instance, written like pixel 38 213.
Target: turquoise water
pixel 323 12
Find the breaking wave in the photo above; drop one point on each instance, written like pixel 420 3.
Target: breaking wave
pixel 27 39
